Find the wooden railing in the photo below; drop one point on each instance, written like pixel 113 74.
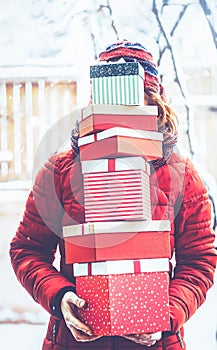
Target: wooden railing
pixel 28 108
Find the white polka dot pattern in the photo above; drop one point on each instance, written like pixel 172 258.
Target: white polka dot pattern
pixel 125 304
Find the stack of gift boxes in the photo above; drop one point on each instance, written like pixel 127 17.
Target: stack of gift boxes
pixel 120 255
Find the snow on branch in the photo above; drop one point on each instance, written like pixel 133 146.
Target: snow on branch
pixel 210 19
pixel 108 7
pixel 179 79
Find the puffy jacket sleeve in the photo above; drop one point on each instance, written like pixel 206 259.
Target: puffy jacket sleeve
pixel 33 248
pixel 194 248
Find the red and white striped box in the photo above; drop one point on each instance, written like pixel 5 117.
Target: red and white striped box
pixel 117 195
pixel 95 118
pixel 125 297
pixel 116 187
pixel 121 142
pixel 117 240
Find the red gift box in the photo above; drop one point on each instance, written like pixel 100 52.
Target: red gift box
pixel 117 195
pixel 125 303
pixel 121 146
pixel 117 240
pixel 96 118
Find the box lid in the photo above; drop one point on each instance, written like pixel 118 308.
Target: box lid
pixel 116 69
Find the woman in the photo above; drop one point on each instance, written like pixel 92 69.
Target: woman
pixel 56 200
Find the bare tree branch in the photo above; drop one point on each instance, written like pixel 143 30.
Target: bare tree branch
pixel 180 16
pixel 208 14
pixel 178 76
pixel 172 31
pixel 92 36
pixel 108 7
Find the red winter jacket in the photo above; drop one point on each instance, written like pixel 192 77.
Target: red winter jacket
pixel 56 200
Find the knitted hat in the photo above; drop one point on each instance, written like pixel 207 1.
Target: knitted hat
pixel 132 52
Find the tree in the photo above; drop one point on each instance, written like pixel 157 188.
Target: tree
pixel 210 12
pixel 168 45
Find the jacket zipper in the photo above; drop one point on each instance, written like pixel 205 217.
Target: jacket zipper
pixel 178 334
pixel 54 331
pixel 113 343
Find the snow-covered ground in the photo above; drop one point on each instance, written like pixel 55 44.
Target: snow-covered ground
pixel 21 337
pixel 200 331
pixel 16 305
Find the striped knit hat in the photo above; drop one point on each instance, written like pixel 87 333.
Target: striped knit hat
pixel 132 52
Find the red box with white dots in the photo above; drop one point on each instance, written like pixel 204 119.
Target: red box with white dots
pixel 128 303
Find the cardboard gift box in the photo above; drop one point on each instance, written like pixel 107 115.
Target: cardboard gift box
pixel 121 142
pixel 117 240
pixel 117 83
pixel 117 195
pixel 97 118
pixel 126 303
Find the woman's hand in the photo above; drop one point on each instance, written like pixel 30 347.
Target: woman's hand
pixel 147 339
pixel 79 330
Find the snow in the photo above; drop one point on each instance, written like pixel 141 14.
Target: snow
pixel 16 306
pixel 201 329
pixel 21 337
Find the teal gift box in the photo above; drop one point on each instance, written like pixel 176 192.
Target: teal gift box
pixel 117 83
